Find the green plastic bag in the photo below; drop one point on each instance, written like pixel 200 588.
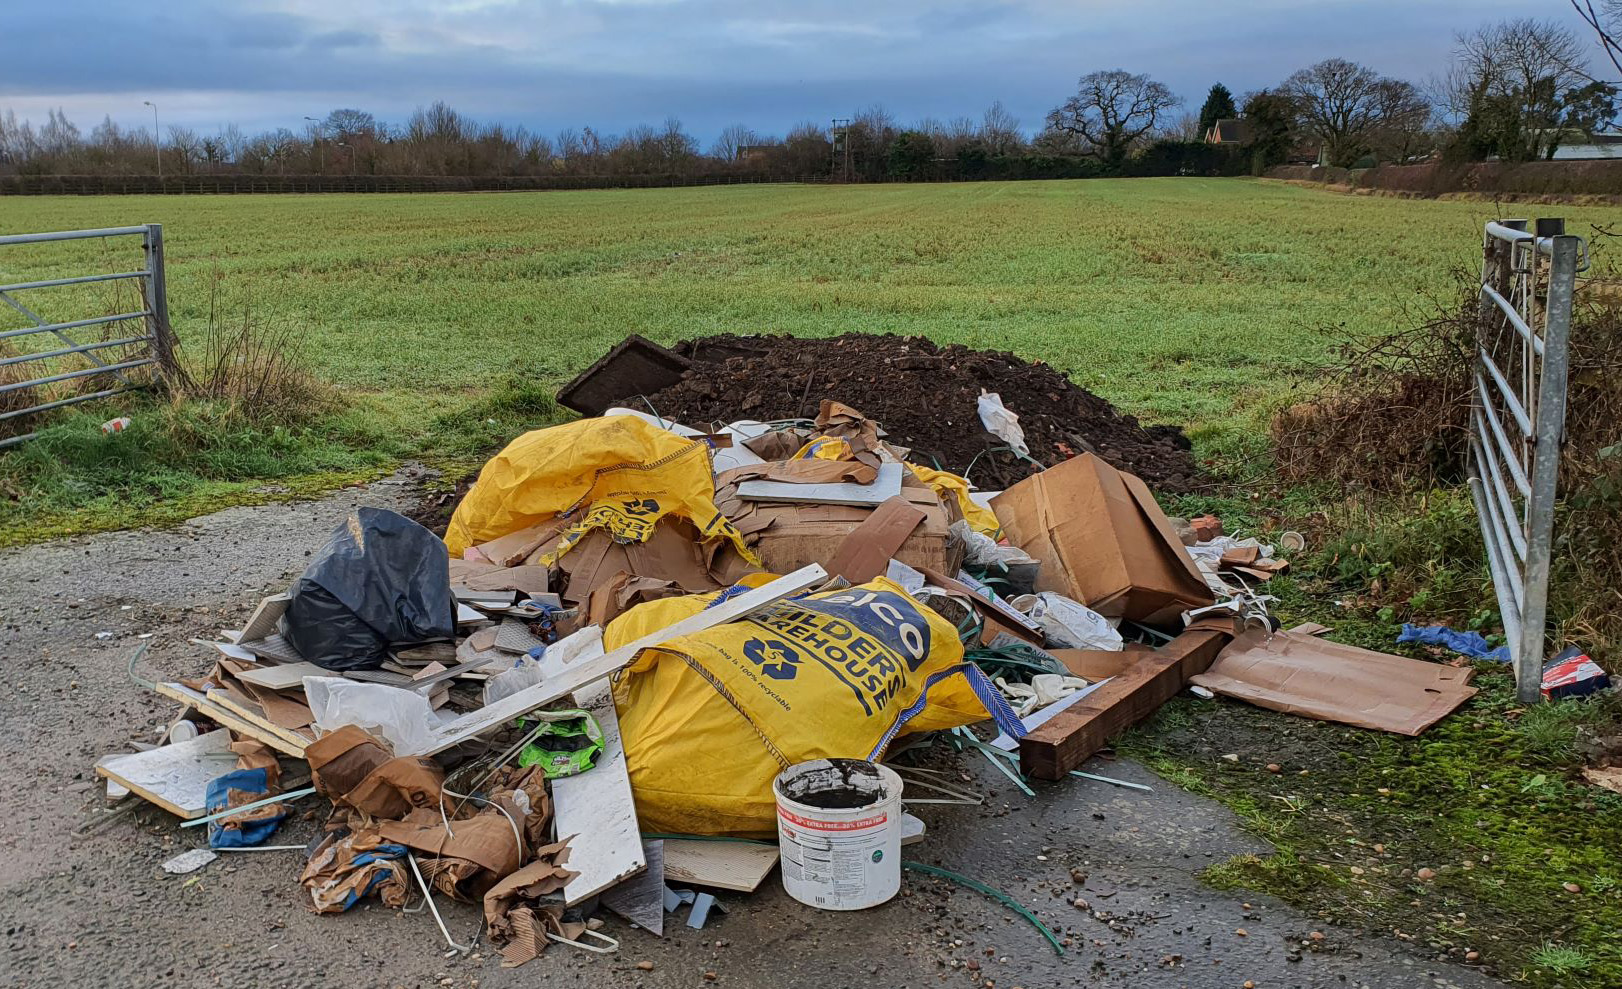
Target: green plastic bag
pixel 568 743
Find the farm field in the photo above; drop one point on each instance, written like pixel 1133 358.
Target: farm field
pixel 1183 298
pixel 1194 301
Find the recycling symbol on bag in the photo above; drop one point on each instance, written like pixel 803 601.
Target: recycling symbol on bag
pixel 775 659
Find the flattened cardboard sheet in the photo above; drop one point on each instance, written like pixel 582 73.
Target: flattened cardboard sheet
pixel 1316 678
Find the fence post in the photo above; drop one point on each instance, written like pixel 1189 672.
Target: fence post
pixel 163 339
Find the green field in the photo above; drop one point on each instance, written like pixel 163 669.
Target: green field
pixel 1200 302
pixel 1181 298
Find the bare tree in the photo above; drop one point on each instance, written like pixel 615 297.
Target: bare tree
pixel 999 131
pixel 186 148
pixel 1402 126
pixel 1339 101
pixel 732 141
pixel 343 124
pixel 1606 21
pixel 1112 110
pixel 1518 84
pixel 1184 127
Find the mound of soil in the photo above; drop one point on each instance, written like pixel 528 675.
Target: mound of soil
pixel 923 396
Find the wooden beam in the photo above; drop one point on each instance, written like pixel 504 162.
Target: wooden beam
pixel 1071 737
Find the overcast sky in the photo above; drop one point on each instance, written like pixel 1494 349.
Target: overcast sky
pixel 613 63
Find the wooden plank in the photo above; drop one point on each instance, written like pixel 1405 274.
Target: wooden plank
pixel 175 777
pixel 250 711
pixel 885 486
pixel 732 865
pixel 228 719
pixel 475 723
pixel 594 809
pixel 866 552
pixel 262 623
pixel 284 677
pixel 1071 737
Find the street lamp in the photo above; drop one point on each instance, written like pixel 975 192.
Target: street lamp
pixel 351 147
pixel 157 138
pixel 321 149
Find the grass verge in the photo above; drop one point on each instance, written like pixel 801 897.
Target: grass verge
pixel 1524 864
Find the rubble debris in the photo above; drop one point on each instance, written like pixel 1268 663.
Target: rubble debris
pixel 926 396
pixel 737 865
pixel 175 776
pixel 189 861
pixel 641 898
pixel 618 576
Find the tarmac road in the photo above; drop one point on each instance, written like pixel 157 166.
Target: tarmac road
pixel 99 911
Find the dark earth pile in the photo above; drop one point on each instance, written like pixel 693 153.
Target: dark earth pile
pixel 924 396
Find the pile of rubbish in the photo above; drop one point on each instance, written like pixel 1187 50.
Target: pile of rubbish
pixel 637 636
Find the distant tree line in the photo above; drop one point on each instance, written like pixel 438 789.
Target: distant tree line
pixel 1513 91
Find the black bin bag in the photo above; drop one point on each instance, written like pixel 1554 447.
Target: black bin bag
pixel 381 580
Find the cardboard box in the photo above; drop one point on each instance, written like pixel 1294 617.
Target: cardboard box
pixel 787 536
pixel 1103 541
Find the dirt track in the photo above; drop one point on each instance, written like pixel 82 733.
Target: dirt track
pixel 99 911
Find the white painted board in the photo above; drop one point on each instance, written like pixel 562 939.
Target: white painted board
pixel 594 809
pixel 175 777
pixel 884 487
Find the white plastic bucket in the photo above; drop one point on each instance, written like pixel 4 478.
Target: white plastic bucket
pixel 839 829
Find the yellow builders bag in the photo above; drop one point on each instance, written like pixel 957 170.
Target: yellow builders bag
pixel 709 719
pixel 617 473
pixel 980 518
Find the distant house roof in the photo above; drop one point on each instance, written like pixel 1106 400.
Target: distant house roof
pixel 1603 144
pixel 1228 132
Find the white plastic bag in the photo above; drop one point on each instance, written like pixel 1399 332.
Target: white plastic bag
pixel 525 672
pixel 983 551
pixel 1002 423
pixel 1068 624
pixel 403 718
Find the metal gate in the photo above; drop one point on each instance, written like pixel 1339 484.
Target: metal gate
pixel 1521 361
pixel 151 343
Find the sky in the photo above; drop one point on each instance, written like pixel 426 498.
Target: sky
pixel 611 64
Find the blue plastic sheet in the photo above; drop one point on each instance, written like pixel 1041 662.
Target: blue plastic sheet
pixel 1465 643
pixel 236 832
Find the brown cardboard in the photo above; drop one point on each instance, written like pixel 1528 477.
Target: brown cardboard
pixel 789 536
pixel 671 553
pixel 867 551
pixel 1316 678
pixel 1103 541
pixel 1097 664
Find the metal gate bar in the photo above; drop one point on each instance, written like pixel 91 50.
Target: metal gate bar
pixel 158 336
pixel 1527 278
